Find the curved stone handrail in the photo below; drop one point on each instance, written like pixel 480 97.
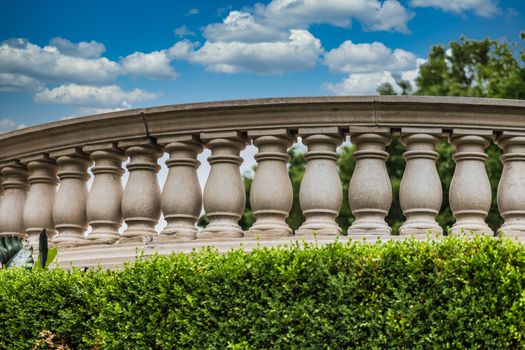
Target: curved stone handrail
pixel 44 172
pixel 389 111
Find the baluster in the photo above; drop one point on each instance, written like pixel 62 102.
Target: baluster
pixel 13 199
pixel 103 209
pixel 141 198
pixel 470 194
pixel 69 208
pixel 181 195
pixel 38 209
pixel 321 192
pixel 271 194
pixel 511 188
pixel 224 196
pixel 370 191
pixel 420 194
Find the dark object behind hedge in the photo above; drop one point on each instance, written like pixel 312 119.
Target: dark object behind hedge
pixel 456 293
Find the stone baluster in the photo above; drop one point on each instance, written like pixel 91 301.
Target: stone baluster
pixel 182 194
pixel 103 209
pixel 470 194
pixel 38 209
pixel 141 198
pixel 271 194
pixel 420 194
pixel 224 197
pixel 370 191
pixel 13 199
pixel 321 192
pixel 69 208
pixel 511 188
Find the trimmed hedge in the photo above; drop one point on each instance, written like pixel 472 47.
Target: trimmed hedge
pixel 455 293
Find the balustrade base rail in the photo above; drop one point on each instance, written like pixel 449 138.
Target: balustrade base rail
pixel 111 256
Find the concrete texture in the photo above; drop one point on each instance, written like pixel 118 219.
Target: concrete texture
pixel 420 193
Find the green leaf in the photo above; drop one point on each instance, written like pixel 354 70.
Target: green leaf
pixel 42 249
pixel 52 253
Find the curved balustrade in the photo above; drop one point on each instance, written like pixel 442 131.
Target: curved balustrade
pixel 44 170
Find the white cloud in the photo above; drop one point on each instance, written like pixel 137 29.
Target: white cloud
pixel 19 83
pixel 370 65
pixel 274 38
pixel 360 83
pixel 154 64
pixel 47 63
pixel 192 12
pixel 84 111
pixel 367 58
pixel 93 96
pixel 298 52
pixel 7 124
pixel 182 50
pixel 241 26
pixel 183 31
pixel 367 83
pixel 84 49
pixel 373 14
pixel 484 8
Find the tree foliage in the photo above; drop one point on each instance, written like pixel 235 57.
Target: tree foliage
pixel 484 68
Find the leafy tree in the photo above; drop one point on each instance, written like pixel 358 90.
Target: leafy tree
pixel 484 68
pixel 388 89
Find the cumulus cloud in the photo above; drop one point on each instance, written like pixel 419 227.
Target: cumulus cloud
pixel 192 12
pixel 82 74
pixel 183 31
pixel 154 64
pixel 367 83
pixel 272 22
pixel 366 58
pixel 84 111
pixel 93 96
pixel 241 26
pixel 274 38
pixel 19 83
pixel 7 124
pixel 360 83
pixel 484 8
pixel 84 49
pixel 298 52
pixel 182 50
pixel 373 14
pixel 27 67
pixel 18 56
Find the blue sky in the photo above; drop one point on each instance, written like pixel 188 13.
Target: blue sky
pixel 60 59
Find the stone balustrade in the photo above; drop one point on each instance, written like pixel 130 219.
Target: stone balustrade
pixel 44 171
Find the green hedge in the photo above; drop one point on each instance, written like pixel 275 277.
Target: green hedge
pixel 456 293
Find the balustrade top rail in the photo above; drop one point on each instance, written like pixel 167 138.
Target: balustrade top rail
pixel 242 115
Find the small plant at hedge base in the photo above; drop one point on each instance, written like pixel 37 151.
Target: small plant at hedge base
pixel 17 252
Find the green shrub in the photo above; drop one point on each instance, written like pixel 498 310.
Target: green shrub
pixel 455 293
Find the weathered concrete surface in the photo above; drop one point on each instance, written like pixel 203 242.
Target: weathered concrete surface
pixel 243 115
